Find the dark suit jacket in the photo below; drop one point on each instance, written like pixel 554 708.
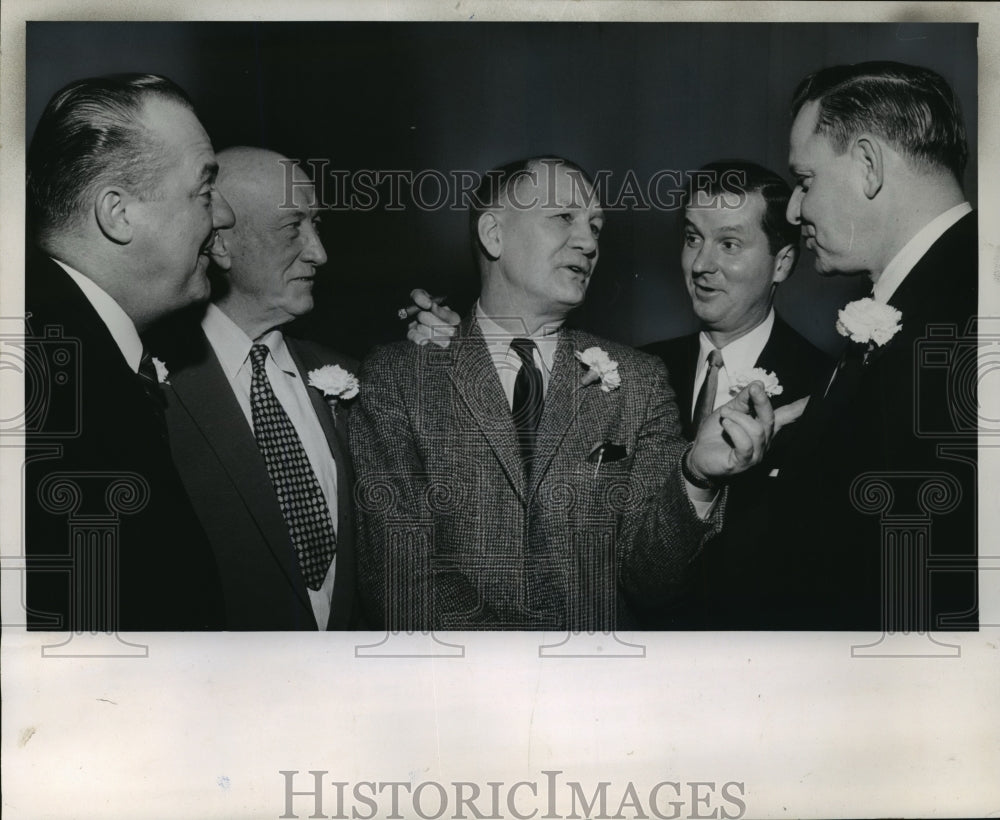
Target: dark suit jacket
pixel 98 462
pixel 725 584
pixel 226 476
pixel 454 535
pixel 908 415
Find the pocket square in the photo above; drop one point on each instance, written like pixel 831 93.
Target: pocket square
pixel 606 451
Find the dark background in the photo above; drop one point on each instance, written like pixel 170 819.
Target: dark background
pixel 616 96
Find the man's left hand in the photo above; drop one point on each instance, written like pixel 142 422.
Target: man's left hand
pixel 736 436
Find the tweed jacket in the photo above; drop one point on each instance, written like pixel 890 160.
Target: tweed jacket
pixel 454 535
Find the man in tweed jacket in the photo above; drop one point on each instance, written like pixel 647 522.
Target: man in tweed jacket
pixel 458 527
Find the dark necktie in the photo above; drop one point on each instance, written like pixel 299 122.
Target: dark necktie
pixel 528 399
pixel 709 388
pixel 151 385
pixel 299 494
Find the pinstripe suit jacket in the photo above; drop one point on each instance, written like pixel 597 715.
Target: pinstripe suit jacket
pixel 454 535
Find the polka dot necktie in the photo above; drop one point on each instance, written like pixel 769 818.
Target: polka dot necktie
pixel 299 494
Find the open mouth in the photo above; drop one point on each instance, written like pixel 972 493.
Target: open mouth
pixel 582 271
pixel 216 250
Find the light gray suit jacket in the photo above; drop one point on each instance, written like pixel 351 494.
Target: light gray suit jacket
pixel 454 535
pixel 227 480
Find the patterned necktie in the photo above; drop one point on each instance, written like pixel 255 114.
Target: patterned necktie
pixel 528 399
pixel 151 385
pixel 299 494
pixel 709 388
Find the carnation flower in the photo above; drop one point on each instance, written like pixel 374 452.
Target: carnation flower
pixel 600 367
pixel 334 382
pixel 869 322
pixel 772 387
pixel 161 371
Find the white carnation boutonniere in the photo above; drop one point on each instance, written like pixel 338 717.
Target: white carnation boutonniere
pixel 161 371
pixel 772 387
pixel 600 368
pixel 335 383
pixel 868 322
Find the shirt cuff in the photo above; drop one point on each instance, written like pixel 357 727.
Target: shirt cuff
pixel 703 501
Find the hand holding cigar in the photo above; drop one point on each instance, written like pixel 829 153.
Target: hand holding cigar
pixel 433 321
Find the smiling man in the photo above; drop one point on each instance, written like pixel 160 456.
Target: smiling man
pixel 529 476
pixel 738 248
pixel 124 212
pixel 878 151
pixel 259 448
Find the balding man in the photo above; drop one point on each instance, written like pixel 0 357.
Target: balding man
pixel 255 430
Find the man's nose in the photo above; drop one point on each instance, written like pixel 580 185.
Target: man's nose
pixel 222 213
pixel 793 213
pixel 314 253
pixel 704 260
pixel 584 239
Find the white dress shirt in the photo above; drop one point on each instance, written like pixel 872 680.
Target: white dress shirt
pixel 232 347
pixel 913 251
pixel 507 362
pixel 118 322
pixel 738 357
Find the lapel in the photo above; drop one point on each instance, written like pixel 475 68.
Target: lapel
pixel 343 583
pixel 683 381
pixel 560 410
pixel 204 391
pixel 475 379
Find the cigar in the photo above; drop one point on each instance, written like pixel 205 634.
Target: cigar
pixel 410 311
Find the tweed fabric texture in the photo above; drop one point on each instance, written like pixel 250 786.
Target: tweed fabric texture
pixel 455 535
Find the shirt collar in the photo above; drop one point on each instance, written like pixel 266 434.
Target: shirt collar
pixel 741 354
pixel 498 339
pixel 119 323
pixel 232 345
pixel 913 251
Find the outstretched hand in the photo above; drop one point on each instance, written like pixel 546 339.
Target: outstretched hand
pixel 432 320
pixel 737 435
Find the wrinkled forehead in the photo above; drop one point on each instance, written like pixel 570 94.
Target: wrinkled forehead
pixel 552 185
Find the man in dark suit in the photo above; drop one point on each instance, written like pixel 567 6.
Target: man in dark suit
pixel 246 405
pixel 880 494
pixel 738 247
pixel 123 210
pixel 529 476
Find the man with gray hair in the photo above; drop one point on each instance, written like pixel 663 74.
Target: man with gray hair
pixel 257 417
pixel 530 476
pixel 124 212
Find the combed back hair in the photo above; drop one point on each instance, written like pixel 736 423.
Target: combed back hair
pixel 725 177
pixel 89 135
pixel 497 183
pixel 910 107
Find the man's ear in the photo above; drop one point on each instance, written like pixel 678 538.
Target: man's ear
pixel 784 263
pixel 110 206
pixel 867 151
pixel 490 234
